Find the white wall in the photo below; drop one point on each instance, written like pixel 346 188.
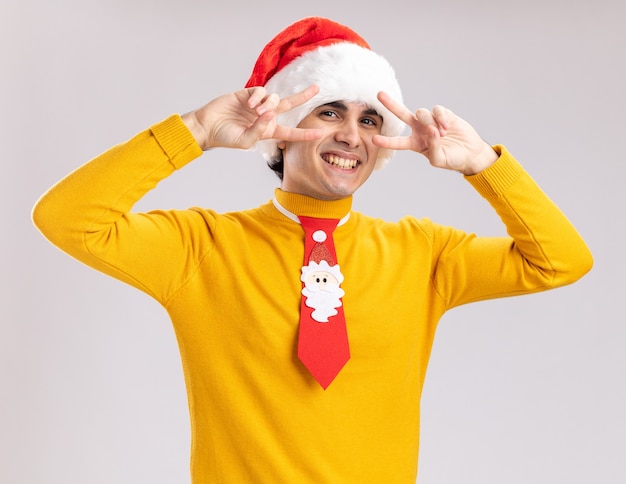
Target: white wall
pixel 526 390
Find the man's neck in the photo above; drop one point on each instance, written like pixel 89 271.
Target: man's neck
pixel 312 207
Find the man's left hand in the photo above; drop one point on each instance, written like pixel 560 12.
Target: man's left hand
pixel 447 140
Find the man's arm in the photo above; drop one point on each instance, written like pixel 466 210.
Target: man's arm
pixel 88 213
pixel 544 249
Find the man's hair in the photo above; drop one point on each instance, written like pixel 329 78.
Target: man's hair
pixel 277 164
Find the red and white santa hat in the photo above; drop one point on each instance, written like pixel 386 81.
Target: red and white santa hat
pixel 319 51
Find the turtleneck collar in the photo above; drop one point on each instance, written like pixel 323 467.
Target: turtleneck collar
pixel 312 207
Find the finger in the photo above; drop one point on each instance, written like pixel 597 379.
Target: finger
pixel 425 126
pixel 434 150
pixel 256 131
pixel 399 110
pixel 285 133
pixel 443 117
pixel 256 96
pixel 425 118
pixel 290 102
pixel 269 103
pixel 393 142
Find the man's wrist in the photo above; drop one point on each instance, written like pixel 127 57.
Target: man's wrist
pixel 196 129
pixel 484 160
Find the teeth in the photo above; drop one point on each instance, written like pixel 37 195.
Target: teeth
pixel 340 162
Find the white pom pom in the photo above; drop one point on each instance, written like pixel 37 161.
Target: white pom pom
pixel 319 236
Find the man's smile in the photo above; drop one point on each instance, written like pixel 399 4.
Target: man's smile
pixel 338 161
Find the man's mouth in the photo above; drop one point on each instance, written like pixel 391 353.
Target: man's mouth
pixel 344 163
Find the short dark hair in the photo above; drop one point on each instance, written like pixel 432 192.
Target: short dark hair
pixel 277 164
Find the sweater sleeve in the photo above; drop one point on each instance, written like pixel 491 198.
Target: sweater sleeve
pixel 543 250
pixel 88 213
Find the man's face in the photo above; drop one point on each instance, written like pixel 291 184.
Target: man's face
pixel 335 165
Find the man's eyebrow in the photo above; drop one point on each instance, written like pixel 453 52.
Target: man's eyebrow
pixel 336 104
pixel 372 112
pixel 369 111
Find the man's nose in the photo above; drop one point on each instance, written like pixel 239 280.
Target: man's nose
pixel 348 133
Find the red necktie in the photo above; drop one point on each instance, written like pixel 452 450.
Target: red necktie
pixel 323 339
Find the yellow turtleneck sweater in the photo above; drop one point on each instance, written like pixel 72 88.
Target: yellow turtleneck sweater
pixel 231 285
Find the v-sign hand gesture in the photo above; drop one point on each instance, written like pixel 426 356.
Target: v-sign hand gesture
pixel 241 118
pixel 447 140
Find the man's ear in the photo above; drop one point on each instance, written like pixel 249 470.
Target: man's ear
pixel 281 145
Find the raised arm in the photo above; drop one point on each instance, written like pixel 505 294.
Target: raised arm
pixel 544 249
pixel 88 213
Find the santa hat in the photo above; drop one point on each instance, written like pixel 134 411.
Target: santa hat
pixel 319 51
pixel 320 251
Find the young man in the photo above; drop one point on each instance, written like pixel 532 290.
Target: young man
pixel 304 361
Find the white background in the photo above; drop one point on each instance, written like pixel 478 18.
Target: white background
pixel 523 390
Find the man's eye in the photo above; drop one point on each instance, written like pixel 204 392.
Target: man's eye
pixel 368 121
pixel 328 113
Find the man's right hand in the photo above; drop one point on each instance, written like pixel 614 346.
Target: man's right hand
pixel 240 119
